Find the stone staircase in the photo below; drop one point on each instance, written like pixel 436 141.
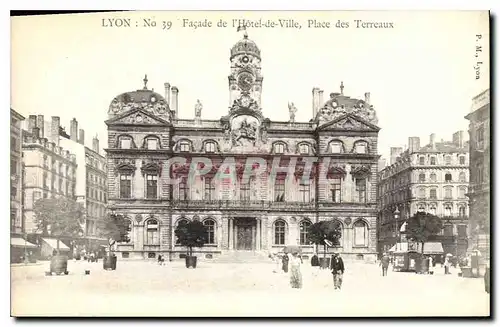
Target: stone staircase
pixel 242 257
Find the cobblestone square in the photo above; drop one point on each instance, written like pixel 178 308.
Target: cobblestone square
pixel 143 288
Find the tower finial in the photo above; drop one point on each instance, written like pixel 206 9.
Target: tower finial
pixel 145 82
pixel 242 27
pixel 342 88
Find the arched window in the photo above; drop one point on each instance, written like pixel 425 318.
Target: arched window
pixel 421 192
pixel 447 210
pixel 279 148
pixel 461 160
pixel 210 236
pixel 361 147
pixel 279 232
pixel 433 193
pixel 448 193
pixel 125 142
pixel 210 147
pixel 462 178
pixel 184 146
pixel 461 210
pixel 433 177
pixel 182 221
pixel 304 232
pixel 152 232
pixel 421 208
pixel 151 143
pixel 421 160
pixel 421 177
pixel 461 192
pixel 360 233
pixel 433 161
pixel 304 148
pixel 432 209
pixel 447 177
pixel 336 147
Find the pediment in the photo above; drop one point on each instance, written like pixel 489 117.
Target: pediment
pixel 349 122
pixel 137 117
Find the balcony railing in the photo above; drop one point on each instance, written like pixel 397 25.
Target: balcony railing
pixel 242 204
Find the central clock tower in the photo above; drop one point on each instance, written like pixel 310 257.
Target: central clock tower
pixel 245 77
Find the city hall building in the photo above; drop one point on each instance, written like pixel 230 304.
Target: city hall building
pixel 243 217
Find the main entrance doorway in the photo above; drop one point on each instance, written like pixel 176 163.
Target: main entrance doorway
pixel 246 230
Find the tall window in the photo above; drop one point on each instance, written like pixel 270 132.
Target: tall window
pixel 461 192
pixel 245 190
pixel 432 209
pixel 304 149
pixel 180 223
pixel 421 177
pixel 151 186
pixel 125 186
pixel 279 189
pixel 421 160
pixel 125 143
pixel 448 193
pixel 479 174
pixel 421 192
pixel 210 147
pixel 433 193
pixel 61 170
pixel 433 177
pixel 304 232
pixel 361 189
pixel 279 232
pixel 461 211
pixel 447 210
pixel 13 192
pixel 13 166
pixel 210 235
pixel 360 233
pixel 209 189
pixel 447 160
pixel 183 189
pixel 461 160
pixel 45 180
pixel 152 144
pixel 279 148
pixel 13 218
pixel 447 177
pixel 184 146
pixel 462 231
pixel 361 147
pixel 336 189
pixel 448 230
pixel 480 134
pixel 152 232
pixel 13 144
pixel 45 161
pixel 433 161
pixel 305 191
pixel 336 147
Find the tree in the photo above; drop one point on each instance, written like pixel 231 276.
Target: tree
pixel 115 228
pixel 61 217
pixel 423 225
pixel 191 234
pixel 324 232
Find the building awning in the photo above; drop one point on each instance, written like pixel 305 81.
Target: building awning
pixel 21 243
pixel 52 242
pixel 429 248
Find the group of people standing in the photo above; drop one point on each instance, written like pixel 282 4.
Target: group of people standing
pixel 294 261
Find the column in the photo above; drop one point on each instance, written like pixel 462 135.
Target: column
pixel 257 238
pixel 231 233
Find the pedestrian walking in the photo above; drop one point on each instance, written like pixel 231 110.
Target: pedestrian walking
pixel 285 260
pixel 447 265
pixel 337 268
pixel 384 262
pixel 295 274
pixel 431 265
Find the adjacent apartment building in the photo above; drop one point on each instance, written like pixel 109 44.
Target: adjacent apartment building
pixel 479 189
pixel 16 174
pixel 261 214
pixel 434 179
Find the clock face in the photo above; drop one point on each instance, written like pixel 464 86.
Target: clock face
pixel 245 81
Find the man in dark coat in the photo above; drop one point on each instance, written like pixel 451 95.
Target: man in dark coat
pixel 384 262
pixel 315 260
pixel 337 268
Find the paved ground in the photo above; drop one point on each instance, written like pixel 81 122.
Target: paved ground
pixel 139 288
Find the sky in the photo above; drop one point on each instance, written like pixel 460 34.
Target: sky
pixel 420 73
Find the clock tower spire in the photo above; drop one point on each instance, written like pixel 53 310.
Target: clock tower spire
pixel 245 78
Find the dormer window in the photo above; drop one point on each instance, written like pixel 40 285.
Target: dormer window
pixel 336 147
pixel 210 147
pixel 304 149
pixel 361 148
pixel 152 144
pixel 279 148
pixel 125 143
pixel 184 146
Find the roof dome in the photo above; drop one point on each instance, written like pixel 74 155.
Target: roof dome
pixel 245 46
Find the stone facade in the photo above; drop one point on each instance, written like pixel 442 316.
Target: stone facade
pixel 16 174
pixel 479 189
pixel 149 146
pixel 432 179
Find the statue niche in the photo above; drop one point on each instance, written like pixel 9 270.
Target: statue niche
pixel 244 130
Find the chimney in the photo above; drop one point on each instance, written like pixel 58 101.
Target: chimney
pixel 413 144
pixel 175 100
pixel 367 98
pixel 458 139
pixel 432 140
pixel 40 123
pixel 32 123
pixel 167 93
pixel 315 105
pixel 395 153
pixel 95 144
pixel 73 130
pixel 81 138
pixel 36 132
pixel 54 129
pixel 320 99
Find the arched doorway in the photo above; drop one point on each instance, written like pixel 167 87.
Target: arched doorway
pixel 245 232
